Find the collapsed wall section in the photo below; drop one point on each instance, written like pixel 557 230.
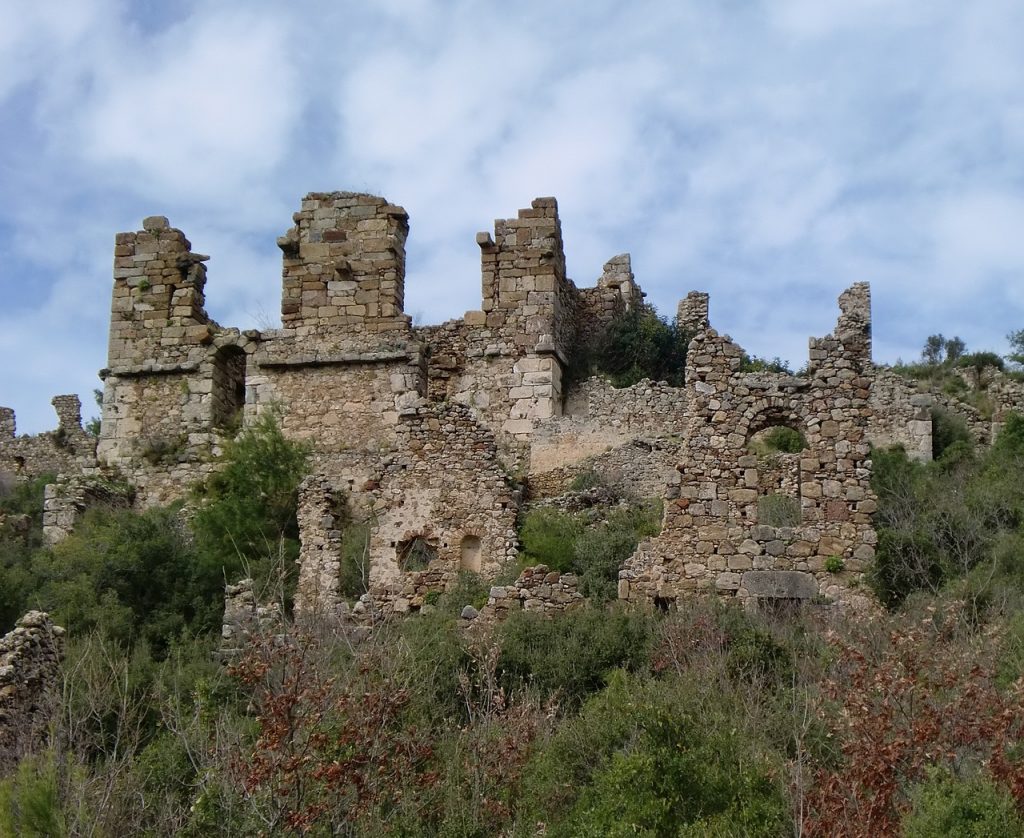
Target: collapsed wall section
pixel 439 505
pixel 30 658
pixel 69 449
pixel 741 511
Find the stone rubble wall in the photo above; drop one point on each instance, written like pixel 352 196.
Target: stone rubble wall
pixel 537 589
pixel 901 415
pixel 67 450
pixel 902 408
pixel 711 534
pixel 30 683
pixel 245 617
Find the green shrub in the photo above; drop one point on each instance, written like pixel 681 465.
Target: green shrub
pixel 835 564
pixel 549 537
pixel 354 573
pixel 641 345
pixel 30 805
pixel 946 807
pixel 655 758
pixel 753 363
pixel 588 479
pixel 947 429
pixel 980 360
pixel 571 656
pixel 600 551
pixel 135 576
pixel 778 510
pixel 246 523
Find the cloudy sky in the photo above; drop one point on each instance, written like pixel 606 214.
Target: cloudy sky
pixel 770 153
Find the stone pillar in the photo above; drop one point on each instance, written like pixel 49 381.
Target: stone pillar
pixel 692 315
pixel 30 659
pixel 7 423
pixel 69 412
pixel 318 589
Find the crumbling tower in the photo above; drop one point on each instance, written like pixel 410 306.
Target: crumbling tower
pixel 344 266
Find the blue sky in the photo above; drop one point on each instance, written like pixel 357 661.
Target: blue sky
pixel 770 153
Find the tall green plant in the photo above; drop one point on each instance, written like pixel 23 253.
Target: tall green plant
pixel 247 519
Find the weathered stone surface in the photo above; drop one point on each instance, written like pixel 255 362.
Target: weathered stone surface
pixel 30 682
pixel 779 584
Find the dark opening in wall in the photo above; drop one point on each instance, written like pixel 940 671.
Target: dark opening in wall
pixel 416 553
pixel 228 386
pixel 470 553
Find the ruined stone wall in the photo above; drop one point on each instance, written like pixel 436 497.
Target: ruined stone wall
pixel 64 503
pixel 244 618
pixel 712 534
pixel 447 488
pixel 538 590
pixel 902 408
pixel 30 658
pixel 901 415
pixel 439 504
pixel 67 450
pixel 598 417
pixel 615 294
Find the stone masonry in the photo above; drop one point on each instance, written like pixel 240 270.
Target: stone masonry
pixel 30 658
pixel 435 435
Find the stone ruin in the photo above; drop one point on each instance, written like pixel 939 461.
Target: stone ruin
pixel 30 658
pixel 437 436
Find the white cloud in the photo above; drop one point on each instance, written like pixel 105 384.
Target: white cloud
pixel 204 108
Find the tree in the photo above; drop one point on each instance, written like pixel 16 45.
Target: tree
pixel 1016 340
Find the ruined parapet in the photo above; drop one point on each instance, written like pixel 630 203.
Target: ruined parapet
pixel 157 315
pixel 67 450
pixel 615 294
pixel 318 593
pixel 30 682
pixel 69 412
pixel 692 313
pixel 245 617
pixel 344 265
pixel 849 345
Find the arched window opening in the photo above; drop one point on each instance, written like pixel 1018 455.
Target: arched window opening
pixel 470 553
pixel 776 475
pixel 228 387
pixel 416 553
